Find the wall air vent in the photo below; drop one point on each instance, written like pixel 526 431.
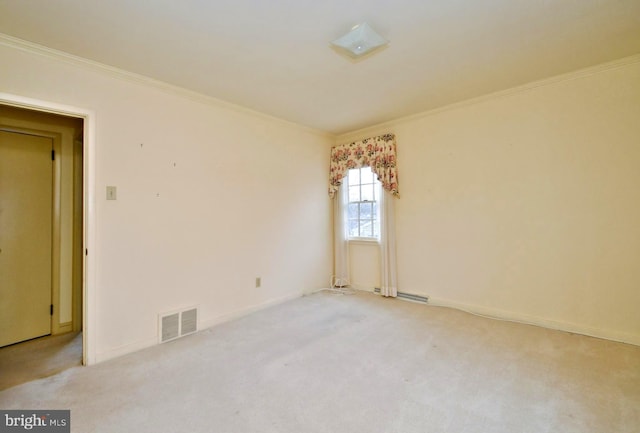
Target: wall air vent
pixel 176 324
pixel 188 322
pixel 170 327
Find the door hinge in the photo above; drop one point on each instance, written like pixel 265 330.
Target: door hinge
pixel 86 251
pixel 51 310
pixel 53 155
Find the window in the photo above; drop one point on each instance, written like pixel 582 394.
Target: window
pixel 362 214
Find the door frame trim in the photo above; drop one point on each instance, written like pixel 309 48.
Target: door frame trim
pixel 89 211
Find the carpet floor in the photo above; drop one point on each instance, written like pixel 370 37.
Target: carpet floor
pixel 39 358
pixel 354 363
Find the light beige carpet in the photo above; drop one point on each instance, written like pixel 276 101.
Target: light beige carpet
pixel 360 363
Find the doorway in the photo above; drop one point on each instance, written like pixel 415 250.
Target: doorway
pixel 41 224
pixel 26 223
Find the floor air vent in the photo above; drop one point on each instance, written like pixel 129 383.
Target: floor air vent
pixel 409 296
pixel 177 324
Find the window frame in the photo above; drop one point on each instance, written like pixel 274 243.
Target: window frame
pixel 375 206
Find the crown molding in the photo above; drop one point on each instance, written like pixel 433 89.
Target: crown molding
pixel 41 50
pixel 569 76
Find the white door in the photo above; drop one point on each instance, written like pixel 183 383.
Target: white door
pixel 26 190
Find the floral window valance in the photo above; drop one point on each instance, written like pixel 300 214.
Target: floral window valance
pixel 379 153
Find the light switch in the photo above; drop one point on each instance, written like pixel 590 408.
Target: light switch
pixel 111 193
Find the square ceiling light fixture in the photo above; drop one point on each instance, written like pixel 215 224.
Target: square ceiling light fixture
pixel 361 40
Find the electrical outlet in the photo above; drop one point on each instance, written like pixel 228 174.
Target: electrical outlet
pixel 258 282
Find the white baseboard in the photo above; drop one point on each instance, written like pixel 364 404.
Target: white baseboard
pixel 365 289
pixel 494 313
pixel 205 324
pixel 64 327
pixel 353 288
pixel 124 350
pixel 247 310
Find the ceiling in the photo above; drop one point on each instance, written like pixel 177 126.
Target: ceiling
pixel 274 56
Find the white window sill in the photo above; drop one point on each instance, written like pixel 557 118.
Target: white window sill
pixel 363 241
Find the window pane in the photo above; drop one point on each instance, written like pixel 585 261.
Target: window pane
pixel 366 175
pixel 354 176
pixel 366 228
pixel 353 211
pixel 367 192
pixel 363 210
pixel 354 193
pixel 366 211
pixel 353 228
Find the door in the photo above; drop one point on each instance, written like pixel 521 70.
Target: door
pixel 26 199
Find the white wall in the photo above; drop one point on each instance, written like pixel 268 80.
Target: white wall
pixel 364 265
pixel 209 197
pixel 526 204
